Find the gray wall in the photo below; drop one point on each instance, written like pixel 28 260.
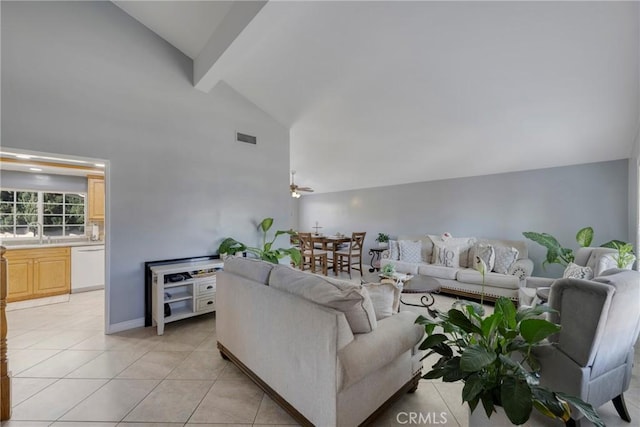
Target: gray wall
pixel 42 181
pixel 558 201
pixel 86 79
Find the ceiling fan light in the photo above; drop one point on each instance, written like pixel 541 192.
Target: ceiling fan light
pixel 295 194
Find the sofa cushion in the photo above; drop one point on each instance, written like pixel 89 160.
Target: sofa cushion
pixel 410 251
pixel 249 268
pixel 469 275
pixel 574 271
pixel 385 297
pixel 438 271
pixel 401 266
pixel 370 352
pixel 505 256
pixel 451 251
pixel 351 299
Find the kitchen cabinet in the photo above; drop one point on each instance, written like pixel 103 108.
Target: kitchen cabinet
pixel 37 273
pixel 183 290
pixel 95 190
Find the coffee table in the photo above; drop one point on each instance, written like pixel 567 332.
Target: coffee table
pixel 416 284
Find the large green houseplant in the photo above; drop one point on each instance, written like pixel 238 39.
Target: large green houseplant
pixel 267 252
pixel 493 356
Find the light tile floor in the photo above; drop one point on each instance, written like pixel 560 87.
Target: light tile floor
pixel 66 372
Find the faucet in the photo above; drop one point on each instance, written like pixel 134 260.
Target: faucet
pixel 40 230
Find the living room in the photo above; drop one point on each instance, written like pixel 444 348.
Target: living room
pixel 87 79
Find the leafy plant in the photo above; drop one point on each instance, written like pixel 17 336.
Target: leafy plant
pixel 493 356
pixel 388 270
pixel 625 254
pixel 267 252
pixel 556 254
pixel 382 238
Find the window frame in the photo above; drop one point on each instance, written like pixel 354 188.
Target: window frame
pixel 40 215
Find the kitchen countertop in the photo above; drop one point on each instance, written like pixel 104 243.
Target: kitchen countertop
pixel 11 246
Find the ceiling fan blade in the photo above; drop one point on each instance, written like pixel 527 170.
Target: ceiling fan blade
pixel 310 190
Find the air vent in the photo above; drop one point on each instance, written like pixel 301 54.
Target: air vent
pixel 243 137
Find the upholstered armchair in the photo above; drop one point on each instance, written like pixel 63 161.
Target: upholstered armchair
pixel 592 355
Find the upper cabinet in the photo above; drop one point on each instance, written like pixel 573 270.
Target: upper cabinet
pixel 96 197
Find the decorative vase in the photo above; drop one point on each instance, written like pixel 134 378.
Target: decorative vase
pixel 478 418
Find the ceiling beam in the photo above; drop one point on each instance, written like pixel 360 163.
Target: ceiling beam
pixel 239 16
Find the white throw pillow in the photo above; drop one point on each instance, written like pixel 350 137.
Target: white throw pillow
pixel 505 256
pixel 575 271
pixel 447 251
pixel 410 251
pixel 394 250
pixel 486 253
pixel 385 297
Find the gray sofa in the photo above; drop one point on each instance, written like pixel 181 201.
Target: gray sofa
pixel 293 333
pixel 465 280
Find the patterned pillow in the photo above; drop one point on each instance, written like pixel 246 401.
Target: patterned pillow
pixel 487 254
pixel 575 271
pixel 410 251
pixel 394 250
pixel 447 250
pixel 505 256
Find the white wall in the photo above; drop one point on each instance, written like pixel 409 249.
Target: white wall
pixel 558 201
pixel 86 79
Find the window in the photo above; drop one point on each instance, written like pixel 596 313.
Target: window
pixel 59 214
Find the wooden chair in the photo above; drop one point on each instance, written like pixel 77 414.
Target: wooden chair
pixel 351 255
pixel 311 255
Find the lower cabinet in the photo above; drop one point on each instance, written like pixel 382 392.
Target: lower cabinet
pixel 37 273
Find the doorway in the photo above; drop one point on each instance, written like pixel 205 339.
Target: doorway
pixel 56 206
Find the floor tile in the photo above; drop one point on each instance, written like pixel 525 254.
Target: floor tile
pixel 229 401
pixel 172 401
pixel 124 424
pixel 21 360
pixel 28 339
pixel 52 402
pixel 112 401
pixel 14 423
pixel 63 340
pixel 199 365
pixel 154 365
pixel 182 340
pixel 271 413
pixel 60 364
pixel 24 388
pixel 82 424
pixel 107 365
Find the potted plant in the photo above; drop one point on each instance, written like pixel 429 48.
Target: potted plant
pixel 493 357
pixel 383 240
pixel 267 252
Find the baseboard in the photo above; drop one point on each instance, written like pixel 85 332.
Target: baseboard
pixel 125 326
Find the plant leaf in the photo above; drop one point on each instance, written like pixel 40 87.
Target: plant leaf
pixel 533 312
pixel 585 237
pixel 535 330
pixel 458 318
pixel 586 409
pixel 508 310
pixel 473 386
pixel 476 357
pixel 452 371
pixel 432 340
pixel 546 402
pixel 487 403
pixel 515 395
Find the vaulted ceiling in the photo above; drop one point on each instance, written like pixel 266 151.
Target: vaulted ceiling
pixel 383 92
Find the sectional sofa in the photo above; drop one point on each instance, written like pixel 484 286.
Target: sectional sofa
pixel 313 343
pixel 453 266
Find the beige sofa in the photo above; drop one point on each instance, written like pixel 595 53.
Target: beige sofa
pixel 305 353
pixel 463 279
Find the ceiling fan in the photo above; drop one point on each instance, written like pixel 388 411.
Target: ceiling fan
pixel 295 190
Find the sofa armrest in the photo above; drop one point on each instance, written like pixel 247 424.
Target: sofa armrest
pixel 538 282
pixel 522 268
pixel 394 336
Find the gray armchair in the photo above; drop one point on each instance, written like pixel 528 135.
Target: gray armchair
pixel 592 356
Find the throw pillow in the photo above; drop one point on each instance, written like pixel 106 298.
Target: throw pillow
pixel 487 254
pixel 505 256
pixel 575 271
pixel 447 250
pixel 353 300
pixel 410 251
pixel 394 250
pixel 385 297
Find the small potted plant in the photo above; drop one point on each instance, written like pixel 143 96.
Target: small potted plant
pixel 493 357
pixel 383 240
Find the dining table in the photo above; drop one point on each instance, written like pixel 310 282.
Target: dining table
pixel 330 244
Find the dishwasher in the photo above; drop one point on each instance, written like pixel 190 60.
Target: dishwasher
pixel 87 268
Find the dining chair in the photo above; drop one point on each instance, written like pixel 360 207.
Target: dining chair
pixel 311 255
pixel 351 255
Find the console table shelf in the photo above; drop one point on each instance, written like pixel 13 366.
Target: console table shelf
pixel 183 290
